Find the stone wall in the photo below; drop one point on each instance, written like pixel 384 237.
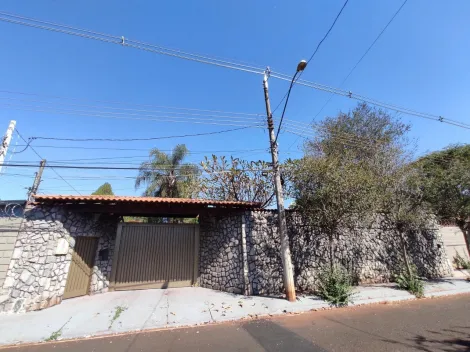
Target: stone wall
pixel 221 254
pixel 8 232
pixel 370 254
pixel 103 261
pixel 37 276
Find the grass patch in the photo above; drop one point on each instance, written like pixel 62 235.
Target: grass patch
pixel 117 313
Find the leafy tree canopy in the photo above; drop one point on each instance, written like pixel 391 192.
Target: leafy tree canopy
pixel 353 169
pixel 104 189
pixel 447 186
pixel 237 180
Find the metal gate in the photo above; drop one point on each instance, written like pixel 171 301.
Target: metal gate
pixel 155 256
pixel 81 267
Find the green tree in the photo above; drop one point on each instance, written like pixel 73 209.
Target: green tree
pixel 165 175
pixel 357 168
pixel 237 180
pixel 447 186
pixel 335 184
pixel 104 189
pixel 403 204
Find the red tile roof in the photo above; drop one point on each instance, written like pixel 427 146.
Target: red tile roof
pixel 128 199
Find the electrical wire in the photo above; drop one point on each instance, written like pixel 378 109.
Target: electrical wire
pixel 137 139
pixel 53 170
pixel 363 56
pixel 176 53
pixel 286 96
pixel 145 149
pixel 285 106
pixel 192 57
pixel 217 114
pixel 377 103
pixel 128 104
pixel 50 26
pixel 328 32
pixel 109 115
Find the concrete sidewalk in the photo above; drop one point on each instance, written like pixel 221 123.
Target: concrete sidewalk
pixel 124 311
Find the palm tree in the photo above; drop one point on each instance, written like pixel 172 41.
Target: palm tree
pixel 165 175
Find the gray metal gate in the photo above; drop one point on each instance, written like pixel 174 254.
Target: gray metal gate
pixel 155 256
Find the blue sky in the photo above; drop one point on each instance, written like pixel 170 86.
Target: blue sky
pixel 421 62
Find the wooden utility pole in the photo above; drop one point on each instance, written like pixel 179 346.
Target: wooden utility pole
pixel 6 142
pixel 37 180
pixel 288 274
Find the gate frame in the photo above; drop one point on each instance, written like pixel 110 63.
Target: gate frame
pixel 115 263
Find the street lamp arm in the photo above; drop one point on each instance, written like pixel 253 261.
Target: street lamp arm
pixel 285 105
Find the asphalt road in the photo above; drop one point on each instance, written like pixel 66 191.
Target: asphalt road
pixel 441 324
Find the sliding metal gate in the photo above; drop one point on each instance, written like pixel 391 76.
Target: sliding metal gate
pixel 155 256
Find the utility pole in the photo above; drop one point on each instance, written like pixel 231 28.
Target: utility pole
pixel 37 180
pixel 6 142
pixel 288 274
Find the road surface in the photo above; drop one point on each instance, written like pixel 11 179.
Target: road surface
pixel 440 324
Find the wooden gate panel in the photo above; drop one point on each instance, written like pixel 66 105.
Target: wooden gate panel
pixel 154 256
pixel 81 267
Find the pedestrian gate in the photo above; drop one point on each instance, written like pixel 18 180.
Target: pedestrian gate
pixel 81 267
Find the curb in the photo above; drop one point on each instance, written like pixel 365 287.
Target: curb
pixel 447 293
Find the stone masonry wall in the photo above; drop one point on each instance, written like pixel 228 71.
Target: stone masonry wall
pixel 370 254
pixel 103 261
pixel 9 227
pixel 221 259
pixel 37 277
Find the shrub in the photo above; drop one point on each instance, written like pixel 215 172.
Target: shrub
pixel 335 286
pixel 411 283
pixel 460 262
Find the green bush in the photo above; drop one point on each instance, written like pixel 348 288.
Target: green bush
pixel 335 286
pixel 460 262
pixel 411 283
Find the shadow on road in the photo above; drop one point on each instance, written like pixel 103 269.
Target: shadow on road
pixel 448 343
pixel 273 337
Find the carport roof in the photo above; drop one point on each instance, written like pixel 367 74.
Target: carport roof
pixel 141 205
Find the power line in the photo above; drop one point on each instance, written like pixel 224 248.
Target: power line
pixel 40 157
pixel 203 59
pixel 129 104
pixel 328 32
pixel 123 110
pixel 363 56
pixel 50 26
pixel 80 167
pixel 136 139
pixel 286 96
pixel 365 99
pixel 117 115
pixel 144 149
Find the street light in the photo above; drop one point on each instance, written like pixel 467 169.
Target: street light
pixel 301 66
pixel 288 274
